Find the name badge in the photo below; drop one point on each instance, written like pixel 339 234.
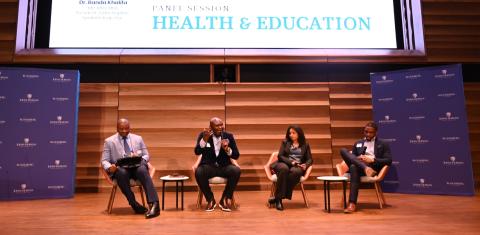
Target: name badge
pixel 208 145
pixel 359 145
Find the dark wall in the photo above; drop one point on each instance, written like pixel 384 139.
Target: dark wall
pixel 91 73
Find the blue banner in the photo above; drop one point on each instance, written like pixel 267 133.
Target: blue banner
pixel 421 113
pixel 38 133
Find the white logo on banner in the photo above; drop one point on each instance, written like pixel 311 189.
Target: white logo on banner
pixel 57 165
pixel 2 122
pixel 422 184
pixel 60 99
pixel 61 78
pixel 24 164
pixel 447 95
pixel 390 140
pixel 23 189
pixel 455 184
pixel 414 76
pixel 384 80
pixel 387 120
pixel 445 74
pixel 56 187
pixel 58 142
pixel 2 77
pixel 59 121
pixel 29 99
pixel 30 76
pixel 27 120
pixel 449 117
pixel 418 140
pixel 453 162
pixel 420 160
pixel 26 144
pixel 416 118
pixel 395 163
pixel 450 138
pixel 415 98
pixel 2 98
pixel 386 99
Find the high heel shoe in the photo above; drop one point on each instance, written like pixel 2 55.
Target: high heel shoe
pixel 271 201
pixel 279 205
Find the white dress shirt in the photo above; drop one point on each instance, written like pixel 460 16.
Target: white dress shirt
pixel 217 142
pixel 370 148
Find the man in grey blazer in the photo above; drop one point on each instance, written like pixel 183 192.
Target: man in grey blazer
pixel 125 144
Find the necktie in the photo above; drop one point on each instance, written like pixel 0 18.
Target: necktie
pixel 126 147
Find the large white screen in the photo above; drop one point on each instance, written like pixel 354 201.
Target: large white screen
pixel 222 24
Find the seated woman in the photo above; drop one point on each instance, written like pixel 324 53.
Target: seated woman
pixel 294 157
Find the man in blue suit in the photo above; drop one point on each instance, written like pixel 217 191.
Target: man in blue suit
pixel 367 157
pixel 217 147
pixel 125 144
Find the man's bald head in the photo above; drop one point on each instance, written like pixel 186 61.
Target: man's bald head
pixel 123 127
pixel 216 124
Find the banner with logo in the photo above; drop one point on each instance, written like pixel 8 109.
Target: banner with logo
pixel 421 113
pixel 38 130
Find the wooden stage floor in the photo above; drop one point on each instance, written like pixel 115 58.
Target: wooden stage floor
pixel 405 214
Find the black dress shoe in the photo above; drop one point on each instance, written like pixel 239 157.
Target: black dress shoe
pixel 279 205
pixel 138 208
pixel 211 205
pixel 154 211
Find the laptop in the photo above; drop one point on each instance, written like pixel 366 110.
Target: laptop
pixel 129 162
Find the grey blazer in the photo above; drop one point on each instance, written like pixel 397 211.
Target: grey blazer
pixel 113 149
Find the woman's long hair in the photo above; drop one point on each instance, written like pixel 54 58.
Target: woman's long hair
pixel 301 136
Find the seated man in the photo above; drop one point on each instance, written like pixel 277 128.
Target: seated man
pixel 121 145
pixel 367 157
pixel 217 147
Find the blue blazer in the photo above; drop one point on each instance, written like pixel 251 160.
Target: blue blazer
pixel 381 151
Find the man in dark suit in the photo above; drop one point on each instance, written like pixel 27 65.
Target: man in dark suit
pixel 367 157
pixel 217 148
pixel 123 145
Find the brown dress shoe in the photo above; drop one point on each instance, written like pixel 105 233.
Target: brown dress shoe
pixel 351 208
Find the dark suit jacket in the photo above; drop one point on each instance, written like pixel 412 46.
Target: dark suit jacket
pixel 381 152
pixel 284 152
pixel 208 153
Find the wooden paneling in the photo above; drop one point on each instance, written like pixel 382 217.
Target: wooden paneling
pixel 170 117
pixel 8 22
pixel 97 118
pixel 259 114
pixel 472 97
pixel 452 30
pixel 351 108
